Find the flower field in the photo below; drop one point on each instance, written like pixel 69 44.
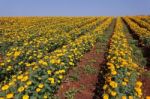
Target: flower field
pixel 38 53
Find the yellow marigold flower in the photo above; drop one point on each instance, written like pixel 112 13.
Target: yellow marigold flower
pixel 117 66
pixel 10 95
pixel 25 97
pixel 17 53
pixel 123 97
pixel 20 89
pixel 138 84
pixel 124 63
pixel 124 83
pixel 11 83
pixel 5 87
pixel 29 83
pixel 27 72
pixel 38 89
pixel 52 61
pixel 60 76
pixel 108 79
pixel 33 63
pixel 43 62
pixel 104 87
pixel 62 63
pixel 130 97
pixel 58 61
pixel 128 73
pixel 62 71
pixel 1 98
pixel 52 81
pixel 105 96
pixel 25 78
pixel 49 72
pixel 8 54
pixel 134 65
pixel 20 77
pixel 139 91
pixel 71 63
pixel 45 97
pixel 57 72
pixel 126 80
pixel 108 56
pixel 25 86
pixel 20 63
pixel 39 78
pixel 40 85
pixel 14 80
pixel 9 68
pixel 35 67
pixel 113 72
pixel 28 64
pixel 113 84
pixel 58 81
pixel 2 64
pixel 14 76
pixel 113 93
pixel 46 57
pixel 111 66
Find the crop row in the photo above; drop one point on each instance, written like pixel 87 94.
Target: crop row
pixel 141 22
pixel 43 77
pixel 121 71
pixel 19 36
pixel 142 33
pixel 17 58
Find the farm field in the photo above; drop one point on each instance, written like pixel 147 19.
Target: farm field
pixel 95 57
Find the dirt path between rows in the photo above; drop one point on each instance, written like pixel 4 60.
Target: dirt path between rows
pixel 145 78
pixel 87 82
pixel 81 81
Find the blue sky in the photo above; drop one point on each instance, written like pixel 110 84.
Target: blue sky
pixel 74 7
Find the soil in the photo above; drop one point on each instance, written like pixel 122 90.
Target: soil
pixel 145 78
pixel 88 81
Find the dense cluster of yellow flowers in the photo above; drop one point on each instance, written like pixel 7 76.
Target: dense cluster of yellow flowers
pixel 141 22
pixel 21 28
pixel 37 45
pixel 142 33
pixel 145 18
pixel 40 78
pixel 121 77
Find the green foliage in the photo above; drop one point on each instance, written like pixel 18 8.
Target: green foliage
pixel 90 69
pixel 71 93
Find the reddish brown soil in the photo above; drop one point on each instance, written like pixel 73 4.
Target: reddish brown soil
pixel 87 80
pixel 146 82
pixel 145 78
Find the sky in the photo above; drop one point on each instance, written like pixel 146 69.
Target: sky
pixel 74 7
